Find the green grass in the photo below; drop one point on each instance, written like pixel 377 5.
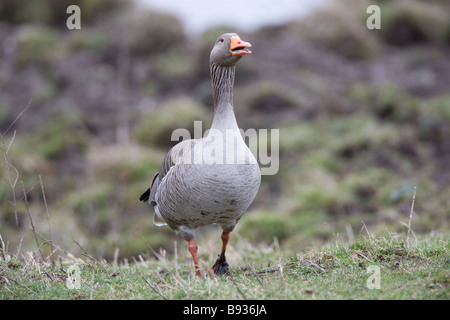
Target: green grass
pixel 340 271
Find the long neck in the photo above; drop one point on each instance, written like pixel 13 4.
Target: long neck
pixel 222 83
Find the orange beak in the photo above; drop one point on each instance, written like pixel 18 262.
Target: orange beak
pixel 239 47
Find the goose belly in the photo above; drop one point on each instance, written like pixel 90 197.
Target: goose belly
pixel 207 194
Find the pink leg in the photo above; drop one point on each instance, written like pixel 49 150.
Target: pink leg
pixel 193 248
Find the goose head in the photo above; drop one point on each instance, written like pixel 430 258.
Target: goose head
pixel 229 49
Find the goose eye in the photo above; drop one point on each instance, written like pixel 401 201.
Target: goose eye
pixel 222 39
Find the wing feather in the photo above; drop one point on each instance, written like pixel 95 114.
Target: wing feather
pixel 168 162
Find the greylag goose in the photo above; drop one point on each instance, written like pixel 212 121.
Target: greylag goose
pixel 213 179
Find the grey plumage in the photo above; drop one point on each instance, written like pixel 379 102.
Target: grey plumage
pixel 197 184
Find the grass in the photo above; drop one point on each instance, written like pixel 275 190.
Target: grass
pixel 340 271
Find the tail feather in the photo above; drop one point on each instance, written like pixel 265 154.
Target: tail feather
pixel 145 196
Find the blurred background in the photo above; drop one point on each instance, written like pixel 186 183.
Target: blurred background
pixel 363 117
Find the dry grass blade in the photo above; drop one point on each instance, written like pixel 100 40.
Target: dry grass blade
pixel 3 249
pixel 255 275
pixel 12 181
pixel 410 217
pixel 361 255
pixel 315 265
pixel 48 219
pixel 89 256
pixel 31 221
pixel 17 118
pixel 268 271
pixel 157 292
pixel 236 285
